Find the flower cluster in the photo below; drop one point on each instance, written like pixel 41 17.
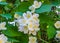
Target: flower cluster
pixel 28 23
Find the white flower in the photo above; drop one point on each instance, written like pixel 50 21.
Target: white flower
pixel 25 29
pixel 35 18
pixel 17 16
pixel 30 26
pixel 58 35
pixel 36 15
pixel 21 28
pixel 32 39
pixel 36 27
pixel 22 21
pixel 57 24
pixel 32 8
pixel 3 38
pixel 27 15
pixel 37 4
pixel 29 23
pixel 32 32
pixel 2 26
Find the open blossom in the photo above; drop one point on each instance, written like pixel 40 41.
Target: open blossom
pixel 57 24
pixel 22 21
pixel 37 4
pixel 32 39
pixel 58 35
pixel 3 38
pixel 33 32
pixel 23 28
pixel 2 26
pixel 35 17
pixel 30 26
pixel 27 15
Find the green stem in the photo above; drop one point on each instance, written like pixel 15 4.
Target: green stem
pixel 44 41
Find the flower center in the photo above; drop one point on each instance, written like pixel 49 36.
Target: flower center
pixel 1 41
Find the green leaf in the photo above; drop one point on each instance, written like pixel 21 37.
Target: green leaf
pixel 11 31
pixel 44 8
pixel 49 24
pixel 51 31
pixel 24 6
pixel 3 3
pixel 55 2
pixel 24 38
pixel 13 40
pixel 7 16
pixel 19 13
pixel 44 18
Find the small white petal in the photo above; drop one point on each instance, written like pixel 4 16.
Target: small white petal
pixel 37 4
pixel 32 8
pixel 57 24
pixel 58 35
pixel 2 26
pixel 32 39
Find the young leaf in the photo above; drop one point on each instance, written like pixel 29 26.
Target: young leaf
pixel 20 13
pixel 44 8
pixel 7 16
pixel 3 3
